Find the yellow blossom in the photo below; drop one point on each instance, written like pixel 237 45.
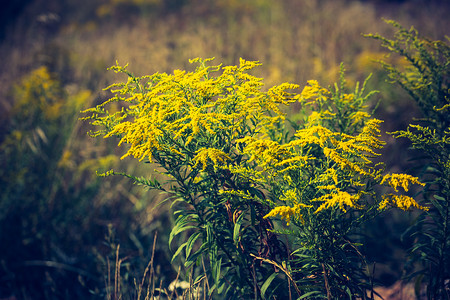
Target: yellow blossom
pixel 215 155
pixel 343 162
pixel 338 198
pixel 327 187
pixel 359 116
pixel 289 196
pixel 314 135
pixel 238 193
pixel 312 90
pixel 403 180
pixel 330 173
pixel 315 117
pixel 286 213
pixel 263 150
pixel 401 201
pixel 296 162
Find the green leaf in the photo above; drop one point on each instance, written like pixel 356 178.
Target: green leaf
pixel 177 199
pixel 180 226
pixel 437 204
pixel 267 283
pixel 178 251
pixel 309 294
pixel 191 241
pixel 221 287
pixel 178 230
pixel 193 258
pixel 237 228
pixel 216 270
pixel 439 198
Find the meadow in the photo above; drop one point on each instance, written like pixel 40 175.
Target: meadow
pixel 68 233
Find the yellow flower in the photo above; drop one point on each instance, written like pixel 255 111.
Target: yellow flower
pixel 215 155
pixel 330 173
pixel 264 151
pixel 238 193
pixel 327 187
pixel 289 196
pixel 359 116
pixel 370 134
pixel 315 117
pixel 296 162
pixel 312 90
pixel 403 180
pixel 279 95
pixel 342 162
pixel 401 201
pixel 286 213
pixel 184 107
pixel 314 135
pixel 338 198
pixel 247 173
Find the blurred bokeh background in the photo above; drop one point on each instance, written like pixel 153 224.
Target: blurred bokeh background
pixel 60 225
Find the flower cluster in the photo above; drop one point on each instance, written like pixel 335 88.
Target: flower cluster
pixel 168 112
pixel 239 166
pixel 328 165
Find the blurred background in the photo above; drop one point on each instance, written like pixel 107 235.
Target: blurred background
pixel 60 224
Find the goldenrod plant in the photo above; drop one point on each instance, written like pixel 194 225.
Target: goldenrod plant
pixel 426 77
pixel 264 206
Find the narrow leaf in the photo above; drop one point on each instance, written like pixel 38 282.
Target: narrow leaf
pixel 178 251
pixel 237 228
pixel 267 283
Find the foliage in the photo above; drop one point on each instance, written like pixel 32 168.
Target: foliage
pixel 234 164
pixel 52 219
pixel 427 79
pixel 31 156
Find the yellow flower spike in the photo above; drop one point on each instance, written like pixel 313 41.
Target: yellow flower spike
pixel 247 173
pixel 329 174
pixel 238 193
pixel 400 201
pixel 181 104
pixel 370 133
pixel 302 159
pixel 359 116
pixel 247 65
pixel 312 90
pixel 287 212
pixel 344 163
pixel 315 117
pixel 338 198
pixel 403 180
pixel 315 135
pixel 266 152
pixel 327 187
pixel 289 196
pixel 348 98
pixel 279 95
pixel 215 155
